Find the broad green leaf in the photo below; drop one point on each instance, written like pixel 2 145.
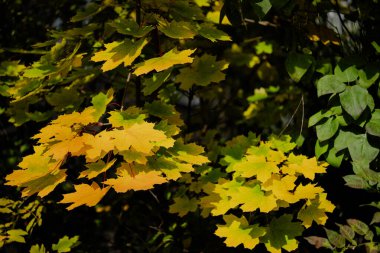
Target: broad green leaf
pixel 328 129
pixel 11 68
pixel 375 218
pixel 368 76
pixel 39 71
pixel 343 139
pixel 356 182
pixel 117 53
pixel 297 65
pixel 155 82
pixel 320 148
pixel 203 71
pixel 376 46
pixel 164 62
pixel 329 84
pixel 360 149
pixel 346 73
pixel 261 8
pixel 335 239
pixel 318 117
pixel 90 10
pixel 65 244
pixel 130 27
pixel 237 231
pixel 166 112
pixel 177 30
pixel 209 31
pixel 358 226
pixel 373 126
pixel 334 158
pixel 354 100
pixel 281 231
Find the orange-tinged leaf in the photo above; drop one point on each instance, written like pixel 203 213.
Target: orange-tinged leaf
pixel 128 180
pixel 76 146
pixel 166 61
pixel 117 53
pixel 84 194
pixel 142 137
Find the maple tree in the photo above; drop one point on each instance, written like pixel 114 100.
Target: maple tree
pixel 157 125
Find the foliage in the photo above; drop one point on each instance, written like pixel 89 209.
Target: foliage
pixel 157 125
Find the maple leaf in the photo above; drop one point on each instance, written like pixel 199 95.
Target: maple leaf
pixel 117 53
pixel 166 61
pixel 42 185
pixel 281 233
pixel 315 210
pixel 164 111
pixel 189 153
pixel 183 205
pixel 84 194
pixel 281 187
pixel 95 169
pixel 177 30
pixel 255 166
pixel 309 191
pixel 203 71
pixel 171 168
pixel 130 27
pixel 237 231
pixel 132 115
pixel 303 165
pixel 129 180
pixel 142 137
pixel 253 198
pixel 209 31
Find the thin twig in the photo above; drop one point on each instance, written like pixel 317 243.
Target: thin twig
pixel 125 92
pixel 295 112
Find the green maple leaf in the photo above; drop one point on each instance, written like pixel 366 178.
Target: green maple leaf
pixel 209 31
pixel 203 71
pixel 65 244
pixel 281 232
pixel 117 53
pixel 177 30
pixel 130 27
pixel 237 231
pixel 183 205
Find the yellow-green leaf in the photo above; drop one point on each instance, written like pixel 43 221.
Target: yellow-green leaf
pixel 166 61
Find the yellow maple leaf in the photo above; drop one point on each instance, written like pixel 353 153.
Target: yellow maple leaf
pixel 142 137
pixel 309 191
pixel 255 166
pixel 303 165
pixel 237 231
pixel 281 187
pixel 253 198
pixel 166 61
pixel 117 53
pixel 84 194
pixel 128 179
